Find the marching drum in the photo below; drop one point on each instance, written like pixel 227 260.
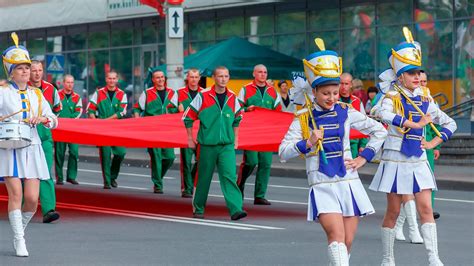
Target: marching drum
pixel 14 134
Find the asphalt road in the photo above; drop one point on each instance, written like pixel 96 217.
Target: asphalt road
pixel 132 226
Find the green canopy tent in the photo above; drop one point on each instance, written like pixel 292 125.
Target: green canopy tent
pixel 239 56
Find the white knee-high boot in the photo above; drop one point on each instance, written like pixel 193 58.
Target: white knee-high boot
pixel 16 223
pixel 337 253
pixel 430 235
pixel 413 232
pixel 399 225
pixel 388 240
pixel 26 218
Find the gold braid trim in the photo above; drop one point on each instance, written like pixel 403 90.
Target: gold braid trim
pixel 398 109
pixel 39 94
pixel 306 131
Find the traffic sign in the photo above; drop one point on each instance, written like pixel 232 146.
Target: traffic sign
pixel 55 64
pixel 175 22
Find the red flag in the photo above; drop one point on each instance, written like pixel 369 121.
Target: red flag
pixel 156 4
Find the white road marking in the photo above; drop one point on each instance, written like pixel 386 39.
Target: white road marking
pixel 276 186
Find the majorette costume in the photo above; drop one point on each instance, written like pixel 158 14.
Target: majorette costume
pixel 403 167
pixel 333 188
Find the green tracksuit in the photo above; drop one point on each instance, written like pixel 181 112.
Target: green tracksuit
pixel 47 192
pixel 429 135
pixel 216 142
pixel 187 168
pixel 72 108
pixel 268 98
pixel 151 104
pixel 104 106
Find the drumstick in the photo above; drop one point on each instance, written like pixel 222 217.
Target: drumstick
pixel 10 115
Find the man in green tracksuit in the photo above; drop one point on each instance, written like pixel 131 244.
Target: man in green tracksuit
pixel 158 100
pixel 219 113
pixel 72 108
pixel 50 93
pixel 187 169
pixel 258 93
pixel 109 102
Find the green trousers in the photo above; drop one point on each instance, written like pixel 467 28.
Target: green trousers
pixel 111 167
pixel 188 170
pixel 47 193
pixel 161 161
pixel 251 160
pixel 224 157
pixel 430 157
pixel 59 154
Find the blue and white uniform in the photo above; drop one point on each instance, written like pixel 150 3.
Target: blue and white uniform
pixel 28 162
pixel 404 168
pixel 333 188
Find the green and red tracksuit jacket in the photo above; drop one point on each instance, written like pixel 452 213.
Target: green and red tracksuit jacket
pixel 151 104
pixel 72 105
pixel 356 103
pixel 216 123
pixel 103 107
pixel 51 95
pixel 251 95
pixel 184 97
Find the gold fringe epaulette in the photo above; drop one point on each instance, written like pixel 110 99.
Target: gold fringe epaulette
pixel 345 105
pixel 303 117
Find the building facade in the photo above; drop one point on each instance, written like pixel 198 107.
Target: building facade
pixel 128 37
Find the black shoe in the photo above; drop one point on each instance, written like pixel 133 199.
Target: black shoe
pixel 238 215
pixel 436 215
pixel 261 201
pixel 106 186
pixel 157 190
pixel 50 216
pixel 72 181
pixel 198 215
pixel 59 182
pixel 113 183
pixel 186 195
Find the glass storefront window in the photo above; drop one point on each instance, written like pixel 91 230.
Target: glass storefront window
pixel 387 38
pixel 97 65
pixel 195 47
pixel 256 25
pixel 464 57
pixel 358 53
pixel 122 36
pixel 230 27
pixel 463 8
pixel 266 41
pixel 202 31
pixel 98 40
pixel 36 47
pixel 292 45
pixel 121 61
pixel 330 38
pixel 394 12
pixel 361 16
pixel 427 11
pixel 54 44
pixel 76 41
pixel 436 46
pixel 324 19
pixel 291 22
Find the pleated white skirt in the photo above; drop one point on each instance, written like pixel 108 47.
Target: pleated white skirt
pixel 400 174
pixel 347 197
pixel 29 162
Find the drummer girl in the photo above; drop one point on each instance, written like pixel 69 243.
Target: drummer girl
pixel 22 165
pixel 320 134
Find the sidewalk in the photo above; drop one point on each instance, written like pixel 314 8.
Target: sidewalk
pixel 447 177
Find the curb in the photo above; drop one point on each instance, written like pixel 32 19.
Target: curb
pixel 289 172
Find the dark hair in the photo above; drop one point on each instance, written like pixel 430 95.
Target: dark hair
pixel 281 82
pixel 158 70
pixel 422 71
pixel 372 89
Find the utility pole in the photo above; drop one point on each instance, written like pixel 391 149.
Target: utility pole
pixel 174 44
